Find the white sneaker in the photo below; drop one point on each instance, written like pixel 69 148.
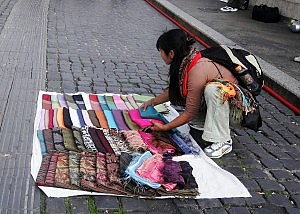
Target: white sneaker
pixel 217 150
pixel 297 59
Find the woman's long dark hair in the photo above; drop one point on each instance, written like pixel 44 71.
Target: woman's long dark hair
pixel 178 41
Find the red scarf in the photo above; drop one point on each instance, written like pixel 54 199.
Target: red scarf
pixel 187 64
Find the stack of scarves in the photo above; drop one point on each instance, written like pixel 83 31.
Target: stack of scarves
pixel 136 174
pixel 93 140
pixel 160 173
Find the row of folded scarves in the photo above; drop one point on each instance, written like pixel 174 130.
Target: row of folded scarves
pixel 70 136
pixel 106 111
pixel 126 174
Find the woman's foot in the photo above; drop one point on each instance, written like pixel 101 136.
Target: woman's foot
pixel 217 150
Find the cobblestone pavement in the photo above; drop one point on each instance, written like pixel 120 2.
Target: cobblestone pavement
pixel 109 46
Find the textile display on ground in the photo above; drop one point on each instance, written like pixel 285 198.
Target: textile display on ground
pixel 101 144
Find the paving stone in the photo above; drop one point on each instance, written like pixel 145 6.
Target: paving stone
pixel 148 205
pixel 282 174
pixel 293 187
pixel 233 201
pixel 269 209
pixel 250 184
pixel 237 171
pixel 55 205
pixel 106 203
pixel 238 210
pixel 188 203
pixel 256 199
pixel 291 164
pixel 269 185
pixel 257 173
pixel 215 211
pixel 292 210
pixel 209 203
pixel 272 163
pixel 190 210
pixel 279 200
pixel 79 205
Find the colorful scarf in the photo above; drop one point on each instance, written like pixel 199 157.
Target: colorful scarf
pixel 186 65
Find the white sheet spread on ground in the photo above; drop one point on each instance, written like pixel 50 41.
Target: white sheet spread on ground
pixel 213 181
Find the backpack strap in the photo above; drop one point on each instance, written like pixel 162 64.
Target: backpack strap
pixel 217 69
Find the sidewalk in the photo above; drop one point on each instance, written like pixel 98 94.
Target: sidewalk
pixel 273 43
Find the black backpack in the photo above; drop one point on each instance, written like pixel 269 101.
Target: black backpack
pixel 242 64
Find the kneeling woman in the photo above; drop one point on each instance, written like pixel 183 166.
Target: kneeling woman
pixel 191 77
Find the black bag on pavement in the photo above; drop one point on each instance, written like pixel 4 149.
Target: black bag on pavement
pixel 266 14
pixel 252 120
pixel 239 4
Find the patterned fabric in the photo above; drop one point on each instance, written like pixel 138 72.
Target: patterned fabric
pixel 93 118
pixel 78 139
pixel 110 102
pixel 60 118
pixel 62 174
pixel 87 140
pixel 152 170
pixel 74 163
pixel 80 116
pixel 41 177
pixel 140 99
pixel 54 101
pixel 152 113
pixel 142 122
pixel 79 101
pixel 69 141
pixel 120 104
pixel 88 167
pixel 180 143
pixel 55 123
pixel 104 142
pixel 132 102
pixel 126 101
pixel 86 118
pixel 111 142
pixel 96 139
pixel 51 117
pixel 49 140
pixel 134 141
pixel 58 140
pixel 101 118
pixel 74 117
pixel 119 140
pixel 102 102
pixel 118 116
pixel 42 120
pixel 40 136
pixel 67 119
pixel 70 101
pixel 50 177
pixel 62 101
pixel 134 165
pixel 110 119
pixel 94 102
pixel 46 101
pixel 131 125
pixel 46 119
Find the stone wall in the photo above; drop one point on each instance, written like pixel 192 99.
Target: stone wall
pixel 287 8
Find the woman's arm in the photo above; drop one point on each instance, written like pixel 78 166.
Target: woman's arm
pixel 182 119
pixel 164 97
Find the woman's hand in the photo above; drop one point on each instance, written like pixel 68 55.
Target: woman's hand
pixel 158 127
pixel 146 104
